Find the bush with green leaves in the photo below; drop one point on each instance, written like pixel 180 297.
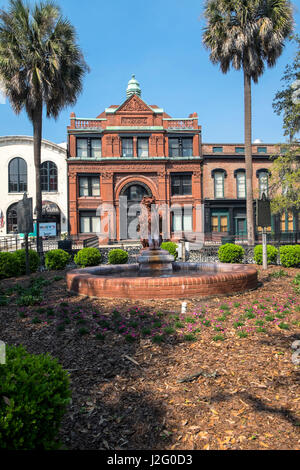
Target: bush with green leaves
pixel 35 392
pixel 171 247
pixel 56 260
pixel 88 257
pixel 9 265
pixel 290 256
pixel 34 260
pixel 117 257
pixel 231 253
pixel 272 254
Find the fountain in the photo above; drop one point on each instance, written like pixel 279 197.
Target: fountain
pixel 156 275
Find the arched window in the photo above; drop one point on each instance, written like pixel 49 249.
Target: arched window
pixel 17 176
pixel 263 182
pixel 48 177
pixel 12 219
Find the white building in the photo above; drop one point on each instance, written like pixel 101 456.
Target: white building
pixel 17 175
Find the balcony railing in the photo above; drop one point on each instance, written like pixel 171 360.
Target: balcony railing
pixel 88 123
pixel 189 123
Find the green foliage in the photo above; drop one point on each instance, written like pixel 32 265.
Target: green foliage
pixel 272 254
pixel 9 265
pixel 56 259
pixel 117 257
pixel 279 274
pixel 171 247
pixel 88 257
pixel 290 256
pixel 230 253
pixel 34 260
pixel 34 393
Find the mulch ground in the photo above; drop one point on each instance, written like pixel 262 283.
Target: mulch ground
pixel 219 377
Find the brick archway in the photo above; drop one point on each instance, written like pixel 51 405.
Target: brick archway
pixel 135 179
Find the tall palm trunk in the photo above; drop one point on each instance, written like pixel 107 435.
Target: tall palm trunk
pixel 37 143
pixel 248 157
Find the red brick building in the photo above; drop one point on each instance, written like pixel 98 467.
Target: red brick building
pixel 136 149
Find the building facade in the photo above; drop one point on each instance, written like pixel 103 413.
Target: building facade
pixel 135 149
pixel 18 176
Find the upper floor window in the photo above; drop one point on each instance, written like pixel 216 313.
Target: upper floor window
pixel 181 184
pixel 239 149
pixel 143 147
pixel 241 184
pixel 287 222
pixel 48 177
pixel 219 177
pixel 89 186
pixel 263 183
pixel 217 149
pixel 181 147
pixel 127 147
pixel 261 149
pixel 88 148
pixel 17 176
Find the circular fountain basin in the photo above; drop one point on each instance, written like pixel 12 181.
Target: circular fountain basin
pixel 188 280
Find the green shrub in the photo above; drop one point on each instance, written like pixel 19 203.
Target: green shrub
pixel 117 257
pixel 290 256
pixel 272 254
pixel 34 260
pixel 171 247
pixel 9 265
pixel 88 257
pixel 231 253
pixel 34 393
pixel 56 259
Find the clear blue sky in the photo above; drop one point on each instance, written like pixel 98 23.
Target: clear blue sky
pixel 161 42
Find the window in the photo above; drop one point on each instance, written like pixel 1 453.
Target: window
pixel 127 147
pixel 182 220
pixel 287 222
pixel 48 177
pixel 241 184
pixel 181 185
pixel 239 149
pixel 263 182
pixel 181 147
pixel 89 222
pixel 82 148
pixel 143 147
pixel 219 184
pixel 217 149
pixel 89 186
pixel 17 176
pixel 89 148
pixel 12 219
pixel 261 149
pixel 220 222
pixel 96 151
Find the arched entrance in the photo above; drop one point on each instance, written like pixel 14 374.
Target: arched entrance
pixel 130 198
pixel 51 214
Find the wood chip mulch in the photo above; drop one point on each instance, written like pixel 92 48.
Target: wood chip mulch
pixel 240 393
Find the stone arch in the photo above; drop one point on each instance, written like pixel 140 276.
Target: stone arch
pixel 124 184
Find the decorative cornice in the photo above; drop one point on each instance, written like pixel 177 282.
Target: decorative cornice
pixel 17 139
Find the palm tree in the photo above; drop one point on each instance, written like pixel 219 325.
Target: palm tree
pixel 41 68
pixel 247 34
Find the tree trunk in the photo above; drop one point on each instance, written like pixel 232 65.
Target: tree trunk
pixel 37 143
pixel 248 158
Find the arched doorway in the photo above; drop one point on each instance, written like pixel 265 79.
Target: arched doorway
pixel 130 198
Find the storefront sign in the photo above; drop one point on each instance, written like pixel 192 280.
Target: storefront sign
pixel 48 230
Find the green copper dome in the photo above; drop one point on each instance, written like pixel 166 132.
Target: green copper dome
pixel 133 87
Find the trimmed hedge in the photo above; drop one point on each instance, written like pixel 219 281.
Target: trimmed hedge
pixel 34 260
pixel 272 254
pixel 35 392
pixel 9 265
pixel 171 247
pixel 117 256
pixel 290 256
pixel 56 259
pixel 88 257
pixel 231 253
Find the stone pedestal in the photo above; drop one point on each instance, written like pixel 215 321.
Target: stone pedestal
pixel 155 262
